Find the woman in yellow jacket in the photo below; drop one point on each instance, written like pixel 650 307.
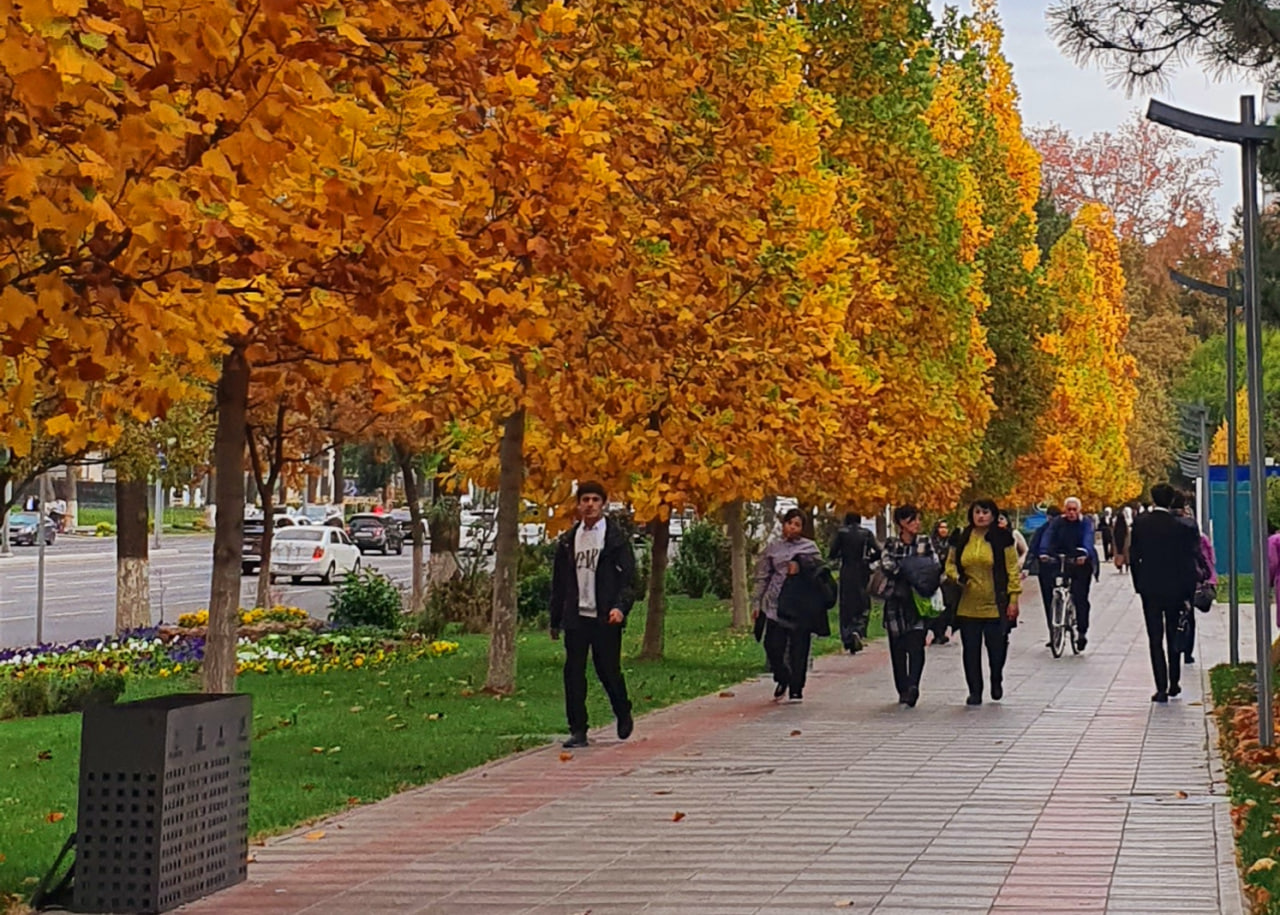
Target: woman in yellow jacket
pixel 984 562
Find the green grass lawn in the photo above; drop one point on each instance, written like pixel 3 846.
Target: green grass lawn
pixel 1251 779
pixel 1244 588
pixel 324 741
pixel 177 518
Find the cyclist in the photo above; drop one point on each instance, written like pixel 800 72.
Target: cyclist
pixel 1072 535
pixel 1044 572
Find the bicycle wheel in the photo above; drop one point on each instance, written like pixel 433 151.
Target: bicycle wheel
pixel 1056 629
pixel 1070 627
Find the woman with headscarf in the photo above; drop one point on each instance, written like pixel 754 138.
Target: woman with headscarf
pixel 786 641
pixel 940 539
pixel 902 620
pixel 985 564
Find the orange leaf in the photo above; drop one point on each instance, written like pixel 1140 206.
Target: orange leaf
pixel 55 817
pixel 315 836
pixel 677 816
pixel 566 756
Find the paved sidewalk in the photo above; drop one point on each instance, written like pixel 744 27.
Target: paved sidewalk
pixel 1073 794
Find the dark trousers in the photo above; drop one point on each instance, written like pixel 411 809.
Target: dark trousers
pixel 855 608
pixel 1161 617
pixel 604 641
pixel 788 654
pixel 973 634
pixel 1046 577
pixel 1081 582
pixel 906 651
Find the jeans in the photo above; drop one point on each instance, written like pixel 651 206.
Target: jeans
pixel 1081 582
pixel 1161 617
pixel 973 634
pixel 788 654
pixel 906 651
pixel 604 642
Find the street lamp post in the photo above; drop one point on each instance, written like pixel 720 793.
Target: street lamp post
pixel 1249 135
pixel 1231 297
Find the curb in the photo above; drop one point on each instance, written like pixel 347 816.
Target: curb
pixel 1230 880
pixel 33 561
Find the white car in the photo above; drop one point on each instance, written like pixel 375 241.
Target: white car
pixel 313 552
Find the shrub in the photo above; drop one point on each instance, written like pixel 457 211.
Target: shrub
pixel 466 601
pixel 104 529
pixel 57 692
pixel 367 598
pixel 533 593
pixel 701 564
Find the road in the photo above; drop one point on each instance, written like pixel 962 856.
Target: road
pixel 80 587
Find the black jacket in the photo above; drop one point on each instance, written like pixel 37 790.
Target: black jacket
pixel 615 578
pixel 1163 551
pixel 855 549
pixel 801 602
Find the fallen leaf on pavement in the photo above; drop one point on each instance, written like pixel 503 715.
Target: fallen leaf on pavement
pixel 56 816
pixel 677 816
pixel 844 903
pixel 315 836
pixel 727 694
pixel 566 756
pixel 795 733
pixel 1182 795
pixel 663 791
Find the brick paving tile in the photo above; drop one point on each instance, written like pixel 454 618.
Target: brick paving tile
pixel 1062 798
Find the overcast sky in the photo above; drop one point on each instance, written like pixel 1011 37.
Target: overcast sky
pixel 1055 89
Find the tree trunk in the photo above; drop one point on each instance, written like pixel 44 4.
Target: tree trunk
pixel 738 562
pixel 133 568
pixel 339 476
pixel 263 598
pixel 228 539
pixel 502 639
pixel 770 509
pixel 73 498
pixel 418 592
pixel 655 619
pixel 446 538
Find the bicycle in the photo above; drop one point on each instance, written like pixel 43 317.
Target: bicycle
pixel 1062 614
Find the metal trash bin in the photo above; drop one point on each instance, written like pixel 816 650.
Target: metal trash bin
pixel 164 802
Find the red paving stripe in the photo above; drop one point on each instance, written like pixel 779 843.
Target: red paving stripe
pixel 512 786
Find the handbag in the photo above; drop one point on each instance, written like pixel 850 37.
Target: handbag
pixel 880 585
pixel 1206 594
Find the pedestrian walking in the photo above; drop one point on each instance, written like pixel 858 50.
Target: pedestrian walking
pixel 1120 538
pixel 1045 572
pixel 786 637
pixel 592 589
pixel 855 548
pixel 941 540
pixel 1106 527
pixel 1019 541
pixel 902 620
pixel 1072 535
pixel 1273 566
pixel 1206 581
pixel 1163 551
pixel 985 564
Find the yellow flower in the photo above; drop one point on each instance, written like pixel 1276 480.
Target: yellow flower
pixel 358 662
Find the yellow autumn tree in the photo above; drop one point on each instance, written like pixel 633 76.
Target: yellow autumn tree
pixel 916 433
pixel 1082 442
pixel 1218 450
pixel 974 114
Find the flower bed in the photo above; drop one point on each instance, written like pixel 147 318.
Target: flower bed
pixel 289 643
pixel 277 614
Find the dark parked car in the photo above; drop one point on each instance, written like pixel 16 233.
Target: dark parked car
pixel 251 551
pixel 376 532
pixel 23 527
